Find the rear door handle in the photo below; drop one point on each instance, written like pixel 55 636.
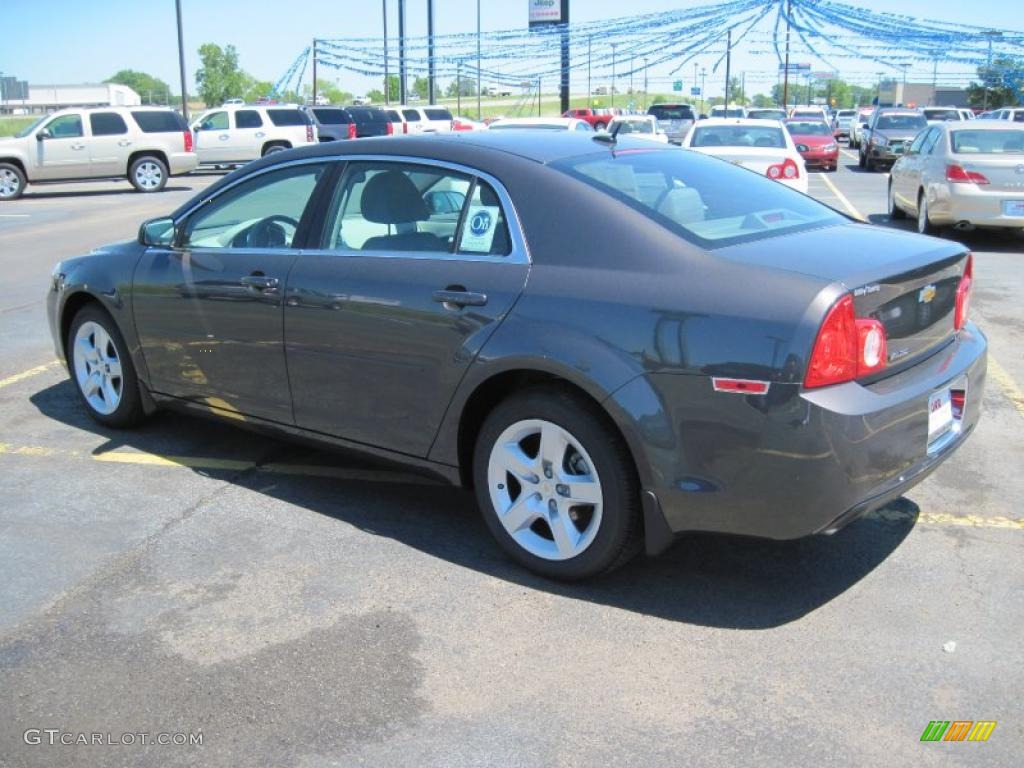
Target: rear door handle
pixel 124 143
pixel 460 298
pixel 223 137
pixel 260 134
pixel 260 282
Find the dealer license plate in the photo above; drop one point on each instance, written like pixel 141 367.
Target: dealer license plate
pixel 1013 207
pixel 940 414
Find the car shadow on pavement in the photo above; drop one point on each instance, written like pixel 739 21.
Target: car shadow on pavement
pixel 992 240
pixel 63 194
pixel 711 580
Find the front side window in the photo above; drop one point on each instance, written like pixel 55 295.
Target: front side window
pixel 65 127
pixel 400 207
pixel 930 141
pixel 915 147
pixel 107 124
pixel 411 115
pixel 262 212
pixel 694 196
pixel 215 121
pixel 248 118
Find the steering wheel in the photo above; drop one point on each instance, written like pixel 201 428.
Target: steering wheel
pixel 268 232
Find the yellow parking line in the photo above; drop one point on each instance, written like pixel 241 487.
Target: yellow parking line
pixel 850 209
pixel 27 374
pixel 1005 380
pixel 941 518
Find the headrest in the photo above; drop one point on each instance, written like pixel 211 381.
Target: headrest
pixel 392 198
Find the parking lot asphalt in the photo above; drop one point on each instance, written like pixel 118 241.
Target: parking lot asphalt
pixel 298 607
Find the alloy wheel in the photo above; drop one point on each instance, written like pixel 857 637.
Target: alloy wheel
pixel 97 368
pixel 149 175
pixel 10 184
pixel 545 489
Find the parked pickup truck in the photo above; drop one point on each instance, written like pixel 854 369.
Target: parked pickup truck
pixel 598 118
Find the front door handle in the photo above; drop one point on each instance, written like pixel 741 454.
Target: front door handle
pixel 260 134
pixel 456 296
pixel 260 282
pixel 223 137
pixel 124 143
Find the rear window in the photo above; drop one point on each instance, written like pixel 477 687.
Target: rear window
pixel 808 128
pixel 107 124
pixel 332 116
pixel 392 116
pixel 366 114
pixel 160 122
pixel 666 112
pixel 941 114
pixel 287 117
pixel 438 114
pixel 968 142
pixel 411 115
pixel 738 136
pixel 695 197
pixel 767 114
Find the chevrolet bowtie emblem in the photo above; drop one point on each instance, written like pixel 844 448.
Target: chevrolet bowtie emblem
pixel 927 294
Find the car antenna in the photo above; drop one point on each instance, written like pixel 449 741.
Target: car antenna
pixel 609 138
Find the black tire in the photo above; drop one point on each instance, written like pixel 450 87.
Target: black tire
pixel 619 536
pixel 870 164
pixel 272 148
pixel 12 181
pixel 862 160
pixel 924 221
pixel 129 409
pixel 600 126
pixel 148 173
pixel 895 212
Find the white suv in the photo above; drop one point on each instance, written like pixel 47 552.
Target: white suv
pixel 144 144
pixel 240 133
pixel 429 119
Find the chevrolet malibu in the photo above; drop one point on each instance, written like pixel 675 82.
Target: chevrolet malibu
pixel 609 341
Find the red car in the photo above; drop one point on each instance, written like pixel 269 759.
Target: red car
pixel 815 143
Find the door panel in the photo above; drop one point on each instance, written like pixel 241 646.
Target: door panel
pixel 109 144
pixel 65 154
pixel 213 142
pixel 209 311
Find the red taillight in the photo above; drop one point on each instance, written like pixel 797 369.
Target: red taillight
pixel 188 140
pixel 352 130
pixel 309 133
pixel 963 294
pixel 847 347
pixel 405 127
pixel 389 129
pixel 787 169
pixel 959 175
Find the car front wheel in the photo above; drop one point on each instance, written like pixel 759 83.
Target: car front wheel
pixel 924 222
pixel 12 181
pixel 895 212
pixel 557 486
pixel 101 369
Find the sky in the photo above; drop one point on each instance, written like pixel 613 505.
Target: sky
pixel 77 41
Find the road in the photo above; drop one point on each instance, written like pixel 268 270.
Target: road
pixel 303 608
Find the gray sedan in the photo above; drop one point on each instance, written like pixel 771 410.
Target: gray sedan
pixel 601 337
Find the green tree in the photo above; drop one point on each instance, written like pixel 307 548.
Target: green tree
pixel 1004 81
pixel 393 90
pixel 220 78
pixel 762 101
pixel 152 89
pixel 659 99
pixel 328 90
pixel 376 96
pixel 256 90
pixel 420 87
pixel 736 95
pixel 466 84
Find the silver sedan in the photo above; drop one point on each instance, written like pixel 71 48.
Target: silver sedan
pixel 962 175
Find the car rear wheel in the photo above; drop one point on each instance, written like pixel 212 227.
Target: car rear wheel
pixel 272 148
pixel 12 181
pixel 895 212
pixel 557 486
pixel 148 174
pixel 101 369
pixel 599 126
pixel 924 222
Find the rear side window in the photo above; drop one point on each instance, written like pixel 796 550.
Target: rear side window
pixel 366 115
pixel 288 117
pixel 160 122
pixel 248 118
pixel 438 114
pixel 332 116
pixel 695 197
pixel 392 115
pixel 107 124
pixel 411 115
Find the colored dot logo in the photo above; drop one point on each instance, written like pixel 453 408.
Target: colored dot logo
pixel 480 223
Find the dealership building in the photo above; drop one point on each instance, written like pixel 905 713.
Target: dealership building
pixel 39 99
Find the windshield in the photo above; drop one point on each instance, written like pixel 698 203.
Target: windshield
pixel 901 123
pixel 941 114
pixel 695 197
pixel 808 128
pixel 1010 141
pixel 26 131
pixel 331 116
pixel 767 114
pixel 662 112
pixel 738 136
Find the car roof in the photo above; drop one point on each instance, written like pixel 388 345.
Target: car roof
pixel 750 121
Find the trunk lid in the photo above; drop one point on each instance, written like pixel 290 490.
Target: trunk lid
pixel 754 158
pixel 1005 173
pixel 905 281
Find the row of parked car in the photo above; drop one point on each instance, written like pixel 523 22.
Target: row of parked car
pixel 148 145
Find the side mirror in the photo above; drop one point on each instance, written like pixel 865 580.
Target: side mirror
pixel 157 232
pixel 44 134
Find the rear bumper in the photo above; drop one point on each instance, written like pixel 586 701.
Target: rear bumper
pixel 796 462
pixel 952 203
pixel 818 159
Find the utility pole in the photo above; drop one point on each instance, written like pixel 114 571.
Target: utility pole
pixel 903 93
pixel 458 86
pixel 695 80
pixel 181 63
pixel 645 83
pixel 613 75
pixel 430 51
pixel 935 82
pixel 563 82
pixel 314 71
pixel 402 93
pixel 479 111
pixel 728 69
pixel 631 67
pixel 387 78
pixel 878 93
pixel 785 73
pixel 590 91
pixel 703 74
pixel 990 34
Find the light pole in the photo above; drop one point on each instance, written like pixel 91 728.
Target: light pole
pixel 645 83
pixel 387 78
pixel 631 59
pixel 613 75
pixel 479 111
pixel 703 74
pixel 728 70
pixel 181 63
pixel 878 93
pixel 903 93
pixel 590 92
pixel 695 79
pixel 990 34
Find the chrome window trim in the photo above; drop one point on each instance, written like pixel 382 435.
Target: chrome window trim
pixel 520 253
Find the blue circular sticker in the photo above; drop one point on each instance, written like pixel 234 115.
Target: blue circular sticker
pixel 480 223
